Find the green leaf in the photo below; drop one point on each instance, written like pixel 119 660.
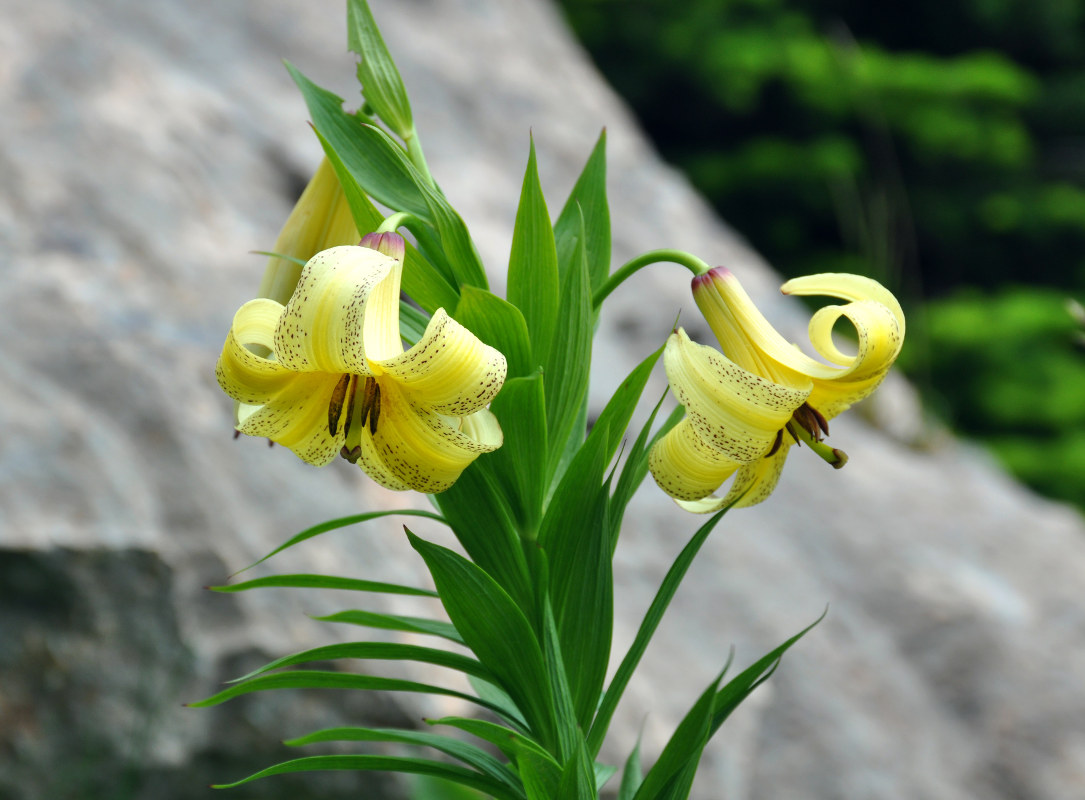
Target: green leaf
pixel 307 581
pixel 423 282
pixel 323 679
pixel 412 323
pixel 533 264
pixel 342 522
pixel 478 510
pixel 632 777
pixel 378 165
pixel 520 465
pixel 383 170
pixel 603 774
pixel 514 745
pixel 587 201
pixel 672 774
pixel 636 468
pixel 418 766
pixel 575 536
pixel 568 361
pixel 382 85
pixel 647 628
pixel 499 698
pixel 392 622
pixel 499 324
pixel 479 760
pixel 578 777
pixel 570 738
pixel 614 419
pixel 496 630
pixel 379 651
pixel 740 687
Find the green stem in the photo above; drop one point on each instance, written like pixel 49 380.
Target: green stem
pixel 690 262
pixel 396 221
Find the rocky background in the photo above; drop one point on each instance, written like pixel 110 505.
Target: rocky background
pixel 145 148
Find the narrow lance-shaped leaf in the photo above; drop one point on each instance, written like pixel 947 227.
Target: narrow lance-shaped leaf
pixel 417 766
pixel 576 539
pixel 471 756
pixel 673 768
pixel 479 512
pixel 520 465
pixel 533 264
pixel 376 651
pixel 381 82
pixel 644 635
pixel 567 363
pixel 393 622
pixel 308 581
pixel 588 200
pixel 739 687
pixel 499 324
pixel 513 744
pixel 496 630
pixel 632 776
pixel 578 777
pixel 323 679
pixel 570 738
pixel 379 166
pixel 343 522
pixel 636 468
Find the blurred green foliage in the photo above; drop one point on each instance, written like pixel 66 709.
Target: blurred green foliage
pixel 934 146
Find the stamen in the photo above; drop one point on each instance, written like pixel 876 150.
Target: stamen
pixel 375 408
pixel 353 393
pixel 776 444
pixel 335 406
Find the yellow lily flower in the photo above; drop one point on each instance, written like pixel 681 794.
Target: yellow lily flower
pixel 747 406
pixel 337 380
pixel 320 219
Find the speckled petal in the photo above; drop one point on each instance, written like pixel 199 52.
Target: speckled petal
pixel 734 412
pixel 753 483
pixel 329 316
pixel 449 370
pixel 242 374
pixel 297 418
pixel 425 450
pixel 684 467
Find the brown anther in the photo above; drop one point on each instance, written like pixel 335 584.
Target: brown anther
pixel 776 444
pixel 374 408
pixel 335 406
pixel 812 421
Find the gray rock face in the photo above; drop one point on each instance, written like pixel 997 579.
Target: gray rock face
pixel 145 148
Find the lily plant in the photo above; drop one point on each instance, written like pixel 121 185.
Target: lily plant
pixel 389 350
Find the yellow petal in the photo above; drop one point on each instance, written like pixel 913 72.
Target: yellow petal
pixel 734 412
pixel 242 374
pixel 320 219
pixel 753 483
pixel 744 334
pixel 339 290
pixel 684 467
pixel 297 418
pixel 425 450
pixel 853 288
pixel 449 370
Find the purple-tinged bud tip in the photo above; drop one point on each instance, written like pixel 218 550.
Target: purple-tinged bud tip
pixel 713 275
pixel 390 244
